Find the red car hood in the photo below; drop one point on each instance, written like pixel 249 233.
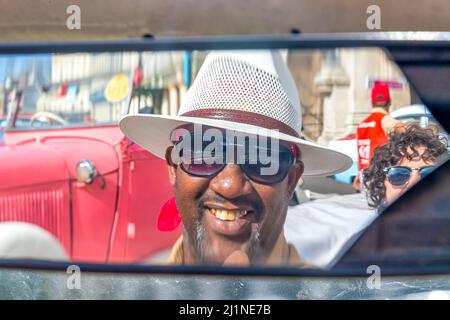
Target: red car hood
pixel 52 159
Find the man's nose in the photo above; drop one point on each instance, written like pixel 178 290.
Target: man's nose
pixel 415 177
pixel 231 182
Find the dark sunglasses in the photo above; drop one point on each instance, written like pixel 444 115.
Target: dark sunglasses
pixel 256 170
pixel 400 175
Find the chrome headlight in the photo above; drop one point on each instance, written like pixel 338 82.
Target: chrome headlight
pixel 85 171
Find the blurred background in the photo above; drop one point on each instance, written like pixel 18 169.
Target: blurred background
pixel 334 85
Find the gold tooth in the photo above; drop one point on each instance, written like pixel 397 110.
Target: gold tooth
pixel 223 215
pixel 231 215
pixel 213 211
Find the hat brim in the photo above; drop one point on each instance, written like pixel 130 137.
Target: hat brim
pixel 152 132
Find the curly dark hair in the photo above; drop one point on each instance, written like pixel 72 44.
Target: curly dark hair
pixel 400 145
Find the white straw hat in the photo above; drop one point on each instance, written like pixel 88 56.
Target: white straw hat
pixel 242 91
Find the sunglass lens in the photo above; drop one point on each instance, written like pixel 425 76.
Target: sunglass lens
pixel 398 176
pixel 271 172
pixel 197 163
pixel 426 171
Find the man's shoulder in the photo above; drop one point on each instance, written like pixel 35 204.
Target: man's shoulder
pixel 388 123
pixel 371 120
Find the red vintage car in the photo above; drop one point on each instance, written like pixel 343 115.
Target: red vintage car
pixel 96 191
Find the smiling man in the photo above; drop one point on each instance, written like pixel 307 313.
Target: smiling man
pixel 235 157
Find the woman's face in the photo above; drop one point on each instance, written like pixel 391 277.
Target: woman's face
pixel 393 192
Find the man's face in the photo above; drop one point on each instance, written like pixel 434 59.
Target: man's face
pixel 210 208
pixel 394 192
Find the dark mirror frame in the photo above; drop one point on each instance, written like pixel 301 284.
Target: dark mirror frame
pixel 417 54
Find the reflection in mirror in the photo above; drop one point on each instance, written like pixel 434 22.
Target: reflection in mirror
pixel 235 158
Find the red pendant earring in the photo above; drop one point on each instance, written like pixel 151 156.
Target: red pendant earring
pixel 169 218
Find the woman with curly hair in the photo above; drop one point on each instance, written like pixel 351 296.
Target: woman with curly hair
pixel 407 157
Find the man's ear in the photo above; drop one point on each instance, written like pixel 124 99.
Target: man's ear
pixel 171 166
pixel 294 175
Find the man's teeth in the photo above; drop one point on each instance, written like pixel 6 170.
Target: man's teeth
pixel 228 215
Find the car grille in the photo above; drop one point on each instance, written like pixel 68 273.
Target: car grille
pixel 46 206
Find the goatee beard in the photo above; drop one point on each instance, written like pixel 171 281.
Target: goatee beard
pixel 253 247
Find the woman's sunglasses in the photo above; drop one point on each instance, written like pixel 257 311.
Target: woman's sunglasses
pixel 256 170
pixel 400 175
